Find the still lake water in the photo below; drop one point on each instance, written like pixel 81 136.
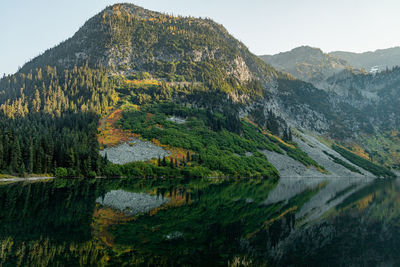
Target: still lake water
pixel 121 222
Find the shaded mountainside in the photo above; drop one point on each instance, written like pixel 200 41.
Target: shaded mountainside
pixel 379 59
pixel 357 107
pixel 376 95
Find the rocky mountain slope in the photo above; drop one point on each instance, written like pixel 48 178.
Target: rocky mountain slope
pixel 368 100
pixel 128 39
pixel 375 94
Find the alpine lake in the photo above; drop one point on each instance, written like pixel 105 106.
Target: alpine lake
pixel 208 222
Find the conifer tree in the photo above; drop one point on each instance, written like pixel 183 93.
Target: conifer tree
pixel 30 156
pixel 16 156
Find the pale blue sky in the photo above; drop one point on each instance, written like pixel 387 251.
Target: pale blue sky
pixel 28 27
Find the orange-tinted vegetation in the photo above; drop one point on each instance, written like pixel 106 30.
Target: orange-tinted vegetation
pixel 176 152
pixel 148 116
pixel 105 217
pixel 359 151
pixel 108 134
pixel 279 140
pixel 142 82
pixel 364 202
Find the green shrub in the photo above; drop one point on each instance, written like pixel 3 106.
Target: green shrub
pixel 91 174
pixel 112 170
pixel 60 172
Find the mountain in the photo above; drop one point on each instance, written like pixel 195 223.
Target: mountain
pixel 183 83
pixel 313 65
pixel 307 63
pixel 371 61
pixel 129 39
pixel 125 66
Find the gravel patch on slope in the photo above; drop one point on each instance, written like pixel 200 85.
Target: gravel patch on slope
pixel 131 203
pixel 135 150
pixel 177 120
pixel 315 149
pixel 294 177
pixel 291 168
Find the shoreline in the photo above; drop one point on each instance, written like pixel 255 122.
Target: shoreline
pixel 22 179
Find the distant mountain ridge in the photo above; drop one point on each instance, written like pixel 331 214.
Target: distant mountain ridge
pixel 381 58
pixel 307 63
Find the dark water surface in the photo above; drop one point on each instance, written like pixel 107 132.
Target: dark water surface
pixel 141 222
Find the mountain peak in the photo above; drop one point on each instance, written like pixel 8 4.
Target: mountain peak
pixel 127 39
pixel 307 49
pixel 131 9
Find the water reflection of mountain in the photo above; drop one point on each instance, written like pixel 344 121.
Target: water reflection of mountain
pixel 333 190
pixel 300 221
pixel 363 230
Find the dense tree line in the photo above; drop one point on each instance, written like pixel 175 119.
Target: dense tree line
pixel 54 92
pixel 48 119
pixel 39 143
pixel 60 111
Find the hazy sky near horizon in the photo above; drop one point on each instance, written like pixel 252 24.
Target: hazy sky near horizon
pixel 29 27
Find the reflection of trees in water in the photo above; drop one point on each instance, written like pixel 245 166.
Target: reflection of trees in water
pixel 48 223
pixel 57 222
pixel 32 210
